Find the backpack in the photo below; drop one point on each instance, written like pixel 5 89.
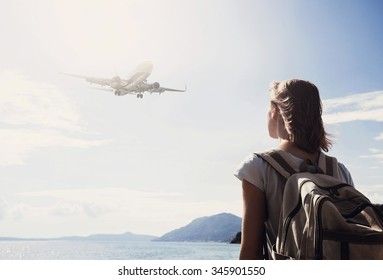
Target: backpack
pixel 322 217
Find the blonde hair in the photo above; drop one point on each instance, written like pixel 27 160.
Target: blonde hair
pixel 300 106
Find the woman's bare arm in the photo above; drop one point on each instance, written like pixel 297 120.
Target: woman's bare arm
pixel 252 222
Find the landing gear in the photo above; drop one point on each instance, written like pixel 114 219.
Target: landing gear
pixel 140 95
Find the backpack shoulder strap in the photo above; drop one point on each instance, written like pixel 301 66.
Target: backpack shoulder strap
pixel 281 161
pixel 285 165
pixel 329 165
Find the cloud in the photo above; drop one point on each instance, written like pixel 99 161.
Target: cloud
pixel 357 107
pixel 379 137
pixel 375 154
pixel 118 210
pixel 16 145
pixel 18 211
pixel 373 192
pixel 64 209
pixel 3 208
pixel 14 211
pixel 24 102
pixel 364 106
pixel 35 115
pixel 93 201
pixel 95 210
pixel 89 209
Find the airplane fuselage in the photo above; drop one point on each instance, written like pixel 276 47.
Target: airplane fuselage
pixel 136 83
pixel 138 75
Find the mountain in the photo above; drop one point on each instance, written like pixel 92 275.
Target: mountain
pixel 127 236
pixel 217 228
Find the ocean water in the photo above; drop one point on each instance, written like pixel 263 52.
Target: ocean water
pixel 116 250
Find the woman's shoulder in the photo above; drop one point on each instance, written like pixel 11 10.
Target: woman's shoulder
pixel 345 174
pixel 256 161
pixel 251 162
pixel 252 169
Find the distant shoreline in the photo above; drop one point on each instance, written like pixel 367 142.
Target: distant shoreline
pixel 219 228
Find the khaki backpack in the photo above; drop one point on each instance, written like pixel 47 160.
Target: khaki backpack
pixel 322 217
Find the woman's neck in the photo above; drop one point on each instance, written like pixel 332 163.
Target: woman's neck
pixel 291 148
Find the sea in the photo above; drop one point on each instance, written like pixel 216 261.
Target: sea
pixel 116 250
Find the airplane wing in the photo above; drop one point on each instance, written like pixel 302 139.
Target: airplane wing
pixel 92 80
pixel 163 89
pixel 136 83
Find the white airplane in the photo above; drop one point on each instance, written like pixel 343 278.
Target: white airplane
pixel 135 84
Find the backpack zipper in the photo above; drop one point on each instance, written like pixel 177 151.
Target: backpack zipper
pixel 318 239
pixel 287 221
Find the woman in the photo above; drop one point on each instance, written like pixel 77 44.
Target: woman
pixel 295 118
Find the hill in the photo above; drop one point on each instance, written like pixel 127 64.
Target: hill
pixel 127 236
pixel 217 228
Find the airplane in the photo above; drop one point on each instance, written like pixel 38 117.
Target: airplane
pixel 135 84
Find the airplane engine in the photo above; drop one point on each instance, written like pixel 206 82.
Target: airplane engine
pixel 155 85
pixel 116 82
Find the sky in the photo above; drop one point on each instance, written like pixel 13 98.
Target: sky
pixel 78 161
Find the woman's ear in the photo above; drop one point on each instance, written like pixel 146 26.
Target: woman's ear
pixel 274 111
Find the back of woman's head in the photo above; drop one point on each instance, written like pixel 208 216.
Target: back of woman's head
pixel 300 106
